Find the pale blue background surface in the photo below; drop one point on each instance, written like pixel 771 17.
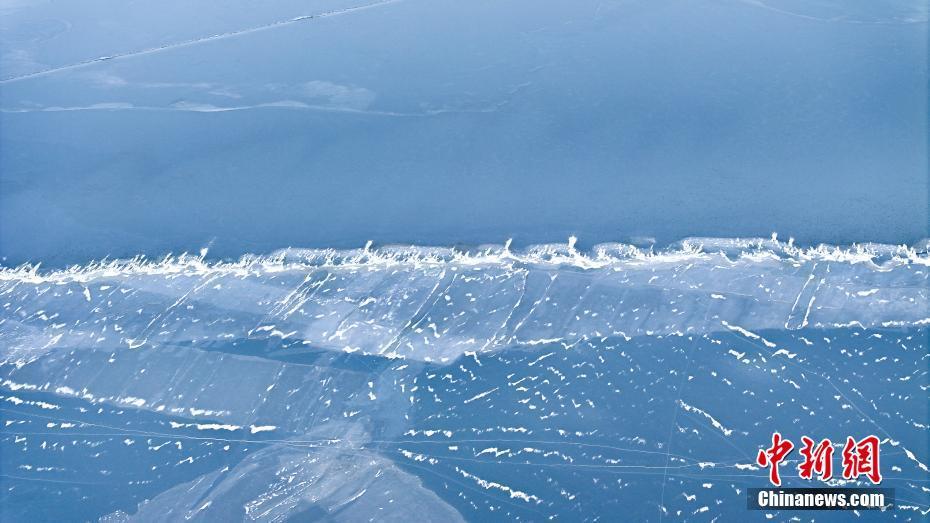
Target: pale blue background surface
pixel 452 122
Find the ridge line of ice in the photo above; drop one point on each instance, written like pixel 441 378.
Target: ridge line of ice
pixel 880 257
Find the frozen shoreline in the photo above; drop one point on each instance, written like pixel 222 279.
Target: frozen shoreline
pixel 436 304
pixel 601 255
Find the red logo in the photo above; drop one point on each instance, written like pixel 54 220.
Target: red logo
pixel 773 456
pixel 816 460
pixel 860 458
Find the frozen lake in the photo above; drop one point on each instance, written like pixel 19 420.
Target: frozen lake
pixel 257 127
pixel 466 363
pixel 412 383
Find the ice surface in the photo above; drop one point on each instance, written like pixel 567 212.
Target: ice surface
pixel 494 383
pixel 435 304
pixel 253 126
pixel 528 381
